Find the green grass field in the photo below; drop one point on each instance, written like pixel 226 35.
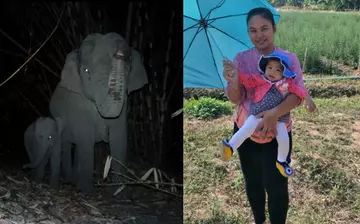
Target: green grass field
pixel 326 37
pixel 325 188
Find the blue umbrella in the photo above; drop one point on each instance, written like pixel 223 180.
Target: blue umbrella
pixel 214 29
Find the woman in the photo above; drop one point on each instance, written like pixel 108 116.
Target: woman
pixel 258 153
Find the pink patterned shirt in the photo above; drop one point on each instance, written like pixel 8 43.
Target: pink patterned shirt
pixel 261 86
pixel 247 62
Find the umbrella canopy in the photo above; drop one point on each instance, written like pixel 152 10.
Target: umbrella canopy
pixel 214 29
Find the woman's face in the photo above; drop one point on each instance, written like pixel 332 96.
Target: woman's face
pixel 261 32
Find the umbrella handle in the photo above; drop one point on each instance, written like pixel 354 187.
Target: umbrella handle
pixel 226 58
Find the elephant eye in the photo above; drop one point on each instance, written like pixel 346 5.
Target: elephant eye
pixel 49 137
pixel 87 71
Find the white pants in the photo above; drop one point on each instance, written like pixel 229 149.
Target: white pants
pixel 248 129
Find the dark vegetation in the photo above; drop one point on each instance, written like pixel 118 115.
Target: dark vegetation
pixel 155 138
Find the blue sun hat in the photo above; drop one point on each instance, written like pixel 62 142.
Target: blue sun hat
pixel 284 60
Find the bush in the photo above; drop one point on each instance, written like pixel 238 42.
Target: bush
pixel 195 93
pixel 206 107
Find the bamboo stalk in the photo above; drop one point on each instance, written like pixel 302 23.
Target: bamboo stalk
pixel 176 74
pixel 134 41
pixel 128 22
pixel 74 42
pixel 164 89
pixel 47 85
pixel 23 49
pixel 56 12
pixel 30 104
pixel 92 23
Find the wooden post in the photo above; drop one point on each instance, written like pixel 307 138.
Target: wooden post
pixel 304 63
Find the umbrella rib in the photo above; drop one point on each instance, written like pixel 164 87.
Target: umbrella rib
pixel 191 18
pixel 190 27
pixel 216 7
pixel 198 5
pixel 224 17
pixel 229 36
pixel 192 41
pixel 212 55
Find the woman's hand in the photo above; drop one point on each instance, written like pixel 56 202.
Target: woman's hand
pixel 268 124
pixel 309 104
pixel 229 71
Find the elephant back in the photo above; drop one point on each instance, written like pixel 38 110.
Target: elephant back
pixel 29 135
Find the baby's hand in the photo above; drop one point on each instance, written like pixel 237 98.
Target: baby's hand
pixel 229 70
pixel 309 104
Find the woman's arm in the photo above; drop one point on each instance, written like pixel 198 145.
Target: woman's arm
pixel 290 102
pixel 235 92
pixel 297 94
pixel 267 126
pixel 299 78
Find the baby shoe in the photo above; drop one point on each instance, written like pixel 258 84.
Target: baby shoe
pixel 284 168
pixel 226 150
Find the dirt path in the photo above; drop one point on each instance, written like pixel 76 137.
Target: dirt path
pixel 356 134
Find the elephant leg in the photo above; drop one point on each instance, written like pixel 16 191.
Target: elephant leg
pixel 75 165
pixel 55 161
pixel 118 142
pixel 84 163
pixel 38 173
pixel 66 162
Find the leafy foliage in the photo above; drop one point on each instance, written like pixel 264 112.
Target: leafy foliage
pixel 320 4
pixel 206 107
pixel 25 27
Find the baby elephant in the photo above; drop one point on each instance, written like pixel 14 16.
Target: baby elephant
pixel 42 140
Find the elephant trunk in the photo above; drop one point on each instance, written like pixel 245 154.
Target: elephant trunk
pixel 113 104
pixel 45 155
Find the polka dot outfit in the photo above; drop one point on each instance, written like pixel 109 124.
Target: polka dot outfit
pixel 271 99
pixel 267 95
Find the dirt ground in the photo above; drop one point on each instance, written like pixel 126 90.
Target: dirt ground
pixel 325 187
pixel 22 201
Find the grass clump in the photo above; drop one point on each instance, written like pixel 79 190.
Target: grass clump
pixel 206 108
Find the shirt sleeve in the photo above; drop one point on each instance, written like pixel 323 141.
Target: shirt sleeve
pixel 297 90
pixel 250 80
pixel 296 68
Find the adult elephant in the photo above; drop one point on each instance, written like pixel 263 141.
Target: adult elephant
pixel 91 99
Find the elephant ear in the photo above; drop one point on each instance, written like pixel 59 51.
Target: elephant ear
pixel 60 125
pixel 138 76
pixel 70 78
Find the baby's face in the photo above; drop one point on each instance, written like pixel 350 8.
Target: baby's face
pixel 274 71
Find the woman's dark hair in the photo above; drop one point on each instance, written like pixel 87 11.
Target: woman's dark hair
pixel 263 12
